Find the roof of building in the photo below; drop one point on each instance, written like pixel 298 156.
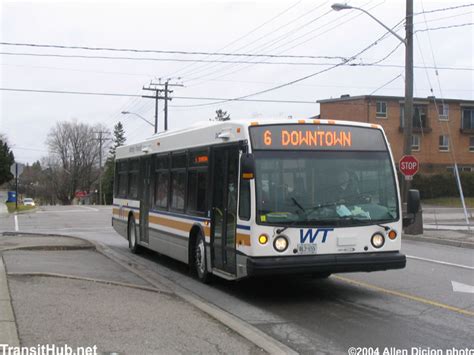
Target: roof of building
pixel 390 98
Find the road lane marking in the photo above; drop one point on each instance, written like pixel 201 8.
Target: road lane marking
pixel 90 208
pixel 459 287
pixel 406 296
pixel 17 227
pixel 440 262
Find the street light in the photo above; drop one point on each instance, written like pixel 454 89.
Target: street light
pixel 408 42
pixel 140 116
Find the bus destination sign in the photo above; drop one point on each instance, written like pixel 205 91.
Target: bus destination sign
pixel 316 137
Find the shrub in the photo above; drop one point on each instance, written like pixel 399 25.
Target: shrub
pixel 443 185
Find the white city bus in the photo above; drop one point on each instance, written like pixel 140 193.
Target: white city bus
pixel 240 198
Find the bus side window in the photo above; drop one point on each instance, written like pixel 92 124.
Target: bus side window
pixel 122 174
pixel 162 181
pixel 133 179
pixel 244 200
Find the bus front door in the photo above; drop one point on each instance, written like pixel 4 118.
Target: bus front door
pixel 224 208
pixel 145 197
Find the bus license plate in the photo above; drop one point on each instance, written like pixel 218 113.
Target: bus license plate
pixel 306 249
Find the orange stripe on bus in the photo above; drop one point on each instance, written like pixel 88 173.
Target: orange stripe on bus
pixel 182 226
pixel 243 239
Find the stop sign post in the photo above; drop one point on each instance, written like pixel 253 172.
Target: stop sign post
pixel 408 166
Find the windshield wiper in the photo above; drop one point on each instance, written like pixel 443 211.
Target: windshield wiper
pixel 298 205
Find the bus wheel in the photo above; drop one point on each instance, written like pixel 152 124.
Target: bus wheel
pixel 132 236
pixel 200 261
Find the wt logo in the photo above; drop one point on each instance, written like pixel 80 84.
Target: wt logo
pixel 312 234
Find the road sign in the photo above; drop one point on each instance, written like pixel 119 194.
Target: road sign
pixel 20 169
pixel 408 166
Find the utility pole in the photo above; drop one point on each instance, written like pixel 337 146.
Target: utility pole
pixel 100 139
pixel 156 97
pixel 408 107
pixel 166 97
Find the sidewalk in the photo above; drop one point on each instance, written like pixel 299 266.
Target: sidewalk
pixel 65 292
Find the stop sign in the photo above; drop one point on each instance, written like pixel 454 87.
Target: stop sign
pixel 408 165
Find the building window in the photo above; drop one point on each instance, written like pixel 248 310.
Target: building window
pixel 443 112
pixel 443 143
pixel 415 142
pixel 467 118
pixel 471 144
pixel 420 119
pixel 381 109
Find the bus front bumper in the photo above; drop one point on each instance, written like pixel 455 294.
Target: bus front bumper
pixel 332 263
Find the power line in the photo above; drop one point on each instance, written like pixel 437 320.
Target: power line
pixel 234 62
pixel 242 37
pixel 284 44
pixel 445 27
pixel 266 35
pixel 299 79
pixel 133 95
pixel 443 9
pixel 166 52
pixel 160 59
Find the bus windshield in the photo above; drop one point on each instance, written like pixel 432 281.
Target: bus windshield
pixel 334 188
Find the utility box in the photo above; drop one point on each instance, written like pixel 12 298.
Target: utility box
pixel 11 196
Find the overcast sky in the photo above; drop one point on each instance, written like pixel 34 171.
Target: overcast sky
pixel 301 28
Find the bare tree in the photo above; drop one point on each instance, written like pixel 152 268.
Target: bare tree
pixel 73 161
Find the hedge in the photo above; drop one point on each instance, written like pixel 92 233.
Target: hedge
pixel 443 185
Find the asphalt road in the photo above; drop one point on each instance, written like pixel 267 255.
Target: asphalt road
pixel 426 305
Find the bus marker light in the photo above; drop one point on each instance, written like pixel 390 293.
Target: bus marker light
pixel 377 240
pixel 392 234
pixel 263 239
pixel 280 243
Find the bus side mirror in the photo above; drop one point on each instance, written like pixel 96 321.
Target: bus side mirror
pixel 247 166
pixel 413 202
pixel 413 206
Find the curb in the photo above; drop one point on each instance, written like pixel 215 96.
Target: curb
pixel 450 242
pixel 8 329
pixel 244 329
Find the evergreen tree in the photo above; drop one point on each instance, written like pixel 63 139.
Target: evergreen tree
pixel 108 177
pixel 6 160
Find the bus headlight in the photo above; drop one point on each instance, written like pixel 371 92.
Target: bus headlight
pixel 378 240
pixel 280 243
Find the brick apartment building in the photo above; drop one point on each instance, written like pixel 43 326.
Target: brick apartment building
pixel 442 129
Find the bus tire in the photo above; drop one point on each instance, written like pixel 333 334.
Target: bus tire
pixel 200 260
pixel 132 236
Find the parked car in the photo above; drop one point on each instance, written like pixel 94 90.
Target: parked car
pixel 28 202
